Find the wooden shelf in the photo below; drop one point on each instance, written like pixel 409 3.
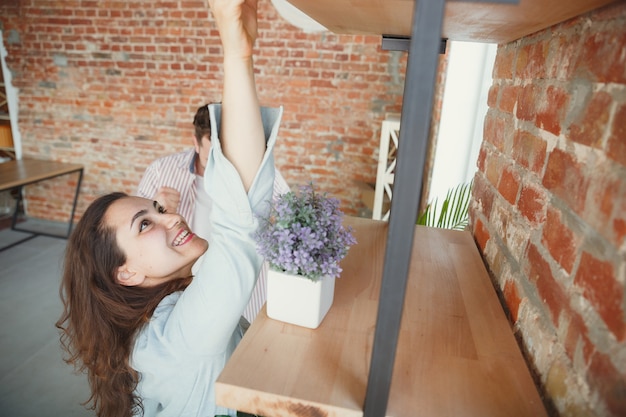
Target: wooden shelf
pixel 456 355
pixel 463 20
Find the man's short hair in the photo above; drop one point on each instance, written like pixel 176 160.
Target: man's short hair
pixel 202 123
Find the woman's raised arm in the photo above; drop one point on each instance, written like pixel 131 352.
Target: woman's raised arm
pixel 242 137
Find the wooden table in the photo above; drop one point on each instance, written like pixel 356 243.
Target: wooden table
pixel 456 354
pixel 18 173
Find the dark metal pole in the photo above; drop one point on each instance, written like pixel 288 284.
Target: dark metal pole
pixel 407 192
pixel 423 61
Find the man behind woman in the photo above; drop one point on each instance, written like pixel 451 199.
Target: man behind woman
pixel 175 181
pixel 151 336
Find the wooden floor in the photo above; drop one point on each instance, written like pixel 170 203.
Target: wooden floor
pixel 34 381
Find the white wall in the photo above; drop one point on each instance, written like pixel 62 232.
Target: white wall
pixel 463 111
pixel 11 93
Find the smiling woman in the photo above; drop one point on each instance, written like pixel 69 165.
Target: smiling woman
pixel 151 337
pixel 158 245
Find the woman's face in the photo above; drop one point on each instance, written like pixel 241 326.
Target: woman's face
pixel 158 246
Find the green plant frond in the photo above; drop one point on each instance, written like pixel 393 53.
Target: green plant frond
pixel 424 216
pixel 454 209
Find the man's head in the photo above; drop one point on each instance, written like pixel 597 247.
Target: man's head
pixel 202 124
pixel 202 135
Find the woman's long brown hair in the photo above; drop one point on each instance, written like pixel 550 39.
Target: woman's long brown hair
pixel 101 317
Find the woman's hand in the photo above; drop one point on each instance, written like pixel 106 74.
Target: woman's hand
pixel 237 23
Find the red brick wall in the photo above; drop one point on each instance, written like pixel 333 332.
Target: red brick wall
pixel 115 84
pixel 549 205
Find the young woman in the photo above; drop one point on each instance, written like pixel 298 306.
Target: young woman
pixel 152 337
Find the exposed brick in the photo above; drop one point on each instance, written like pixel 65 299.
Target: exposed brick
pixel 522 62
pixel 483 194
pixel 552 110
pixel 509 185
pixel 493 170
pixel 606 197
pixel 559 240
pixel 512 298
pixel 508 98
pixel 589 129
pixel 565 50
pixel 531 61
pixel 481 235
pixel 480 162
pixel 616 147
pixel 494 130
pixel 532 204
pixel 549 289
pixel 602 55
pixel 609 382
pixel 527 103
pixel 529 151
pixel 146 80
pixel 597 280
pixel 505 63
pixel 492 96
pixel 619 222
pixel 564 177
pixel 577 332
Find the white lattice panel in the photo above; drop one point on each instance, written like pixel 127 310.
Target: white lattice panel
pixel 386 167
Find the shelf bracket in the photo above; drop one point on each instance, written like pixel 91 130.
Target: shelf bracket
pixel 402 43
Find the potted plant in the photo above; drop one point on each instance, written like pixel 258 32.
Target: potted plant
pixel 303 240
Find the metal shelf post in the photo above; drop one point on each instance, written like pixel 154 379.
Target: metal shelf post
pixel 413 142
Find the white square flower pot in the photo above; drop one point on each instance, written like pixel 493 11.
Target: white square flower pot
pixel 298 300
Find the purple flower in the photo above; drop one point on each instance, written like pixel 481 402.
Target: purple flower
pixel 304 235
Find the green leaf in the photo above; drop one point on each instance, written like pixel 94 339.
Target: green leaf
pixel 454 209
